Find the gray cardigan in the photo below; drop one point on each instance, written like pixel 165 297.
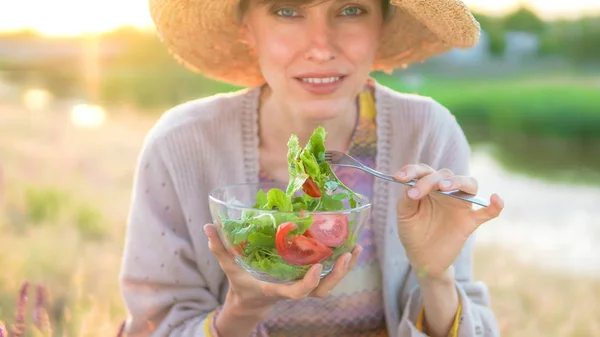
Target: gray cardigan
pixel 170 280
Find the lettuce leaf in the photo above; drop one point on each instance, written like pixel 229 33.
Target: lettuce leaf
pixel 296 169
pixel 277 199
pixel 310 162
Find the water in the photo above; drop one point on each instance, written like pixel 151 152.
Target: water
pixel 551 225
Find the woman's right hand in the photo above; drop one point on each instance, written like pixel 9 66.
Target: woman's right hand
pixel 248 293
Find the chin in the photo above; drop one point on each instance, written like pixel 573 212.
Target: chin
pixel 322 109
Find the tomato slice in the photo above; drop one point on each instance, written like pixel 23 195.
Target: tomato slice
pixel 240 249
pixel 311 188
pixel 299 250
pixel 330 230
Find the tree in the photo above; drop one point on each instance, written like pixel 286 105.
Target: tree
pixel 494 27
pixel 525 20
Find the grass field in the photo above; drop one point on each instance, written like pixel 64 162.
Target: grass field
pixel 544 124
pixel 62 218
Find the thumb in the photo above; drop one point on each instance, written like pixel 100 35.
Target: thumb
pixel 216 245
pixel 407 207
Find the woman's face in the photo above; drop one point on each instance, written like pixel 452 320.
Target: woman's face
pixel 315 58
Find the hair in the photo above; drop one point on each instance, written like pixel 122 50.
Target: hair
pixel 244 5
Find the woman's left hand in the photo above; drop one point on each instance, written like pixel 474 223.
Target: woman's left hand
pixel 434 228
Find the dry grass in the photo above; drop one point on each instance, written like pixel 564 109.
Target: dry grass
pixel 532 302
pixel 62 218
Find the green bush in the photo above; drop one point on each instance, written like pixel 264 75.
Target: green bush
pixel 155 86
pixel 544 129
pixel 504 106
pixel 89 223
pixel 43 205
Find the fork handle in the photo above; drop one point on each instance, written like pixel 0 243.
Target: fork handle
pixel 455 194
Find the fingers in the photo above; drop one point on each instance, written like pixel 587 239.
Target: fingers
pixel 410 172
pixel 428 183
pixel 355 255
pixel 312 285
pixel 429 180
pixel 344 264
pixel 217 248
pixel 463 183
pixel 300 289
pixel 486 214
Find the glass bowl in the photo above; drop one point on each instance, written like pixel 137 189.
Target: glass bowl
pixel 280 246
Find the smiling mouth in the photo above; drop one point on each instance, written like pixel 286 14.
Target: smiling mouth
pixel 321 83
pixel 318 80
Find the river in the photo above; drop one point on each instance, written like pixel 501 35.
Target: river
pixel 551 225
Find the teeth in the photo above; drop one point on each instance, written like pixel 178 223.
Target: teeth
pixel 321 79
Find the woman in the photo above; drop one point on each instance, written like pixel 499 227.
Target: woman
pixel 307 63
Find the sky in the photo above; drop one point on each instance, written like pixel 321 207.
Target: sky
pixel 72 17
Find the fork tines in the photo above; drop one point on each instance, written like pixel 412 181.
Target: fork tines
pixel 333 157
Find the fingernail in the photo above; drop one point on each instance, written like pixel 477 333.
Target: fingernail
pixel 207 230
pixel 347 260
pixel 413 192
pixel 500 200
pixel 319 270
pixel 359 250
pixel 401 174
pixel 446 183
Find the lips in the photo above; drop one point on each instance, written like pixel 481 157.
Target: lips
pixel 321 84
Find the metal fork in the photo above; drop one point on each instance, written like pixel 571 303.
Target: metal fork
pixel 336 158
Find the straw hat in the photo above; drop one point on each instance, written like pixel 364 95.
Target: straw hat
pixel 206 37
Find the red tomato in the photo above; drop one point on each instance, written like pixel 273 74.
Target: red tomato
pixel 311 188
pixel 299 250
pixel 330 230
pixel 302 213
pixel 240 248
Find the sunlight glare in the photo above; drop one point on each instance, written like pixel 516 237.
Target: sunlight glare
pixel 72 17
pixel 90 116
pixel 37 99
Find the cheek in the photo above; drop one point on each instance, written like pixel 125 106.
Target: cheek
pixel 359 46
pixel 275 52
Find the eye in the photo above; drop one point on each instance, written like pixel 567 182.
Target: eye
pixel 286 12
pixel 351 11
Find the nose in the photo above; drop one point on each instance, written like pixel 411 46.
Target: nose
pixel 321 42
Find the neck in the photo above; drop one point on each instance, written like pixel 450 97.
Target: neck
pixel 278 122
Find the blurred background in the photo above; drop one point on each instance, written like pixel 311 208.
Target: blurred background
pixel 82 82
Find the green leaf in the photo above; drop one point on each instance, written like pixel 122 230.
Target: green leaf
pixel 316 143
pixel 294 149
pixel 264 221
pixel 277 198
pixel 241 234
pixel 328 203
pixel 339 196
pixel 303 224
pixel 310 164
pixel 229 225
pixel 295 184
pixel 261 199
pixel 262 240
pixel 332 185
pixel 295 167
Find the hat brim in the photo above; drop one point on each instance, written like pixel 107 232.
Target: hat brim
pixel 204 35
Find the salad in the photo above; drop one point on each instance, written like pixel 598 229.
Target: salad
pixel 281 236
